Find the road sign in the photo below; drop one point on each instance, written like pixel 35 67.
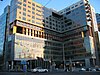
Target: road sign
pixel 23 62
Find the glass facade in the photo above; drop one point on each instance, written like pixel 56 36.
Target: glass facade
pixel 3 25
pixel 40 33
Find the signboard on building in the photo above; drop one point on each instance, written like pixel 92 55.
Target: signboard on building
pixel 24 62
pixel 28 26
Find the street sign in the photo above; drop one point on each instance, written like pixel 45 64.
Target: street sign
pixel 23 62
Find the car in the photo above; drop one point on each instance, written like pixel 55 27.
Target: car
pixel 97 69
pixel 82 69
pixel 89 69
pixel 39 69
pixel 94 70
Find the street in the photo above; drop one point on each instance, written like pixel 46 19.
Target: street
pixel 51 73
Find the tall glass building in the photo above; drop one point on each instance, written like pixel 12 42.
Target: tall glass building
pixel 41 36
pixel 98 35
pixel 98 20
pixel 79 32
pixel 4 21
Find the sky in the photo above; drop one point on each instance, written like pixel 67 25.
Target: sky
pixel 55 4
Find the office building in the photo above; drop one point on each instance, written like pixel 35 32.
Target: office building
pixel 79 32
pixel 29 39
pixel 4 22
pixel 98 20
pixel 41 36
pixel 98 35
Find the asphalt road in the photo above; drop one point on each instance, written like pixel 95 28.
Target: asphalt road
pixel 51 73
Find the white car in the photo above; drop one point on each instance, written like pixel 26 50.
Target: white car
pixel 39 69
pixel 82 69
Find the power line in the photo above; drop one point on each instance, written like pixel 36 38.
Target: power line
pixel 47 2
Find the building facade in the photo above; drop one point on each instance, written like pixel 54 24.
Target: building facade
pixel 44 37
pixel 98 35
pixel 4 22
pixel 98 20
pixel 29 39
pixel 79 32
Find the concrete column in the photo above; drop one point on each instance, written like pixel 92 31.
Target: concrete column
pixel 14 29
pixel 26 31
pixel 7 65
pixel 31 64
pixel 29 32
pixel 33 33
pixel 87 62
pixel 23 30
pixel 12 65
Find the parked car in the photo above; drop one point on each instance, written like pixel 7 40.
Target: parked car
pixel 39 69
pixel 97 69
pixel 88 69
pixel 82 69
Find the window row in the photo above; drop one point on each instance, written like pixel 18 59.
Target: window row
pixel 36 33
pixel 33 4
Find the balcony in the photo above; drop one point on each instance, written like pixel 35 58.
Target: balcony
pixel 88 15
pixel 89 19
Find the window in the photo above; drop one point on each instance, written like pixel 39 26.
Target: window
pixel 19 7
pixel 47 18
pixel 46 25
pixel 38 23
pixel 33 8
pixel 19 3
pixel 29 11
pixel 38 6
pixel 38 14
pixel 19 29
pixel 33 21
pixel 29 6
pixel 24 13
pixel 28 15
pixel 29 2
pixel 24 9
pixel 38 10
pixel 68 12
pixel 76 5
pixel 38 19
pixel 33 17
pixel 33 12
pixel 72 7
pixel 24 5
pixel 24 18
pixel 51 27
pixel 67 9
pixel 19 17
pixel 24 0
pixel 28 20
pixel 70 23
pixel 19 12
pixel 81 3
pixel 33 4
pixel 46 21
